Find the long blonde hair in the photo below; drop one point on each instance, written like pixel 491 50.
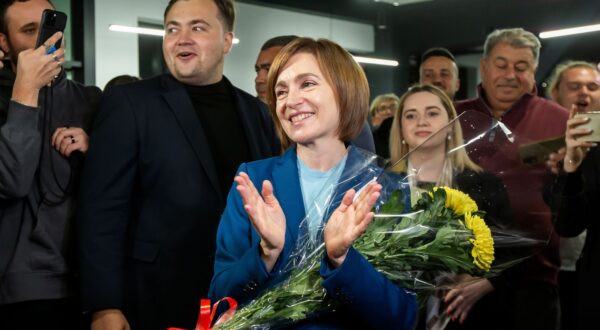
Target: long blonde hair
pixel 459 160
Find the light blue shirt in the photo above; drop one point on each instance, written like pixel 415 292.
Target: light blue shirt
pixel 317 188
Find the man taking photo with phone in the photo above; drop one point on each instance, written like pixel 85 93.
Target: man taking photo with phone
pixel 43 122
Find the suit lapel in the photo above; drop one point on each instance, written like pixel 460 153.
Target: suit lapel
pixel 288 192
pixel 181 106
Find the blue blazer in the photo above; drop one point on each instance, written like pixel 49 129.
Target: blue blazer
pixel 369 300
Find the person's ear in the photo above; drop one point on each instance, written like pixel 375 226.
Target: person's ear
pixel 4 46
pixel 228 42
pixel 554 94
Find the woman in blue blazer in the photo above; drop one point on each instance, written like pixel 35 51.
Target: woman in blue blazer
pixel 318 97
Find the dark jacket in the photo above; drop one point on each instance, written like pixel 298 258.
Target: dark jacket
pixel 576 211
pixel 36 191
pixel 151 201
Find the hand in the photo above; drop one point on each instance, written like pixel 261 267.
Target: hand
pixel 554 159
pixel 266 216
pixel 36 69
pixel 109 319
pixel 461 299
pixel 1 58
pixel 380 116
pixel 68 139
pixel 349 221
pixel 576 149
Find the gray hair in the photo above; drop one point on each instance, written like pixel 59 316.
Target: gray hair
pixel 557 74
pixel 517 38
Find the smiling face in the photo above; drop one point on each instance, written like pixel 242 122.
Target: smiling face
pixel 195 42
pixel 422 116
pixel 22 25
pixel 305 104
pixel 507 74
pixel 579 86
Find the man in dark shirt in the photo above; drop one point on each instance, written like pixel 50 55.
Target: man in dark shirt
pixel 164 154
pixel 40 162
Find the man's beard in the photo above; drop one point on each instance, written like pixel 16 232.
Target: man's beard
pixel 8 57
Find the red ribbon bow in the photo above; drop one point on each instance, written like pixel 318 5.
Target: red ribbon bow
pixel 207 315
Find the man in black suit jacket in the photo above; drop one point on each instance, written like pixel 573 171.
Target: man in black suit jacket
pixel 163 155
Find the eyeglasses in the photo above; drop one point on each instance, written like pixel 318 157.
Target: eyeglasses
pixel 387 107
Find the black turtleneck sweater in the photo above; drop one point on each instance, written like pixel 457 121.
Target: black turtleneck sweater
pixel 215 107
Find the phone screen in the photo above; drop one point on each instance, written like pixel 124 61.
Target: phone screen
pixel 52 22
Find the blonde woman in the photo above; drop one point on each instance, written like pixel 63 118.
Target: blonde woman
pixel 425 142
pixel 381 112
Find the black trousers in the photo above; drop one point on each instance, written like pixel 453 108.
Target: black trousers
pixel 43 314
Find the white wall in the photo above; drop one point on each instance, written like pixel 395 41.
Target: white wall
pixel 117 52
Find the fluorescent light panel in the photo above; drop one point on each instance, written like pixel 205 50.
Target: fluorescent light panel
pixel 145 31
pixel 378 61
pixel 570 31
pixel 160 33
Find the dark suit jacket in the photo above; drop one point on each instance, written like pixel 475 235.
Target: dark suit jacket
pixel 369 301
pixel 150 202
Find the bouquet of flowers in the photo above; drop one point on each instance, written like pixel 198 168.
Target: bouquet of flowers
pixel 445 233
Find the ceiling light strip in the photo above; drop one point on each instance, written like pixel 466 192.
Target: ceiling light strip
pixel 570 31
pixel 145 31
pixel 378 61
pixel 160 33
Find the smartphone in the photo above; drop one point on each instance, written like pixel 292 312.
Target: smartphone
pixel 52 22
pixel 593 124
pixel 537 152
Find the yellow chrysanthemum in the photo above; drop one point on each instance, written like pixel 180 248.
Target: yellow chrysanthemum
pixel 458 201
pixel 483 243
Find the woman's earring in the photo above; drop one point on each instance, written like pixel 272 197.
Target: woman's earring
pixel 403 142
pixel 449 137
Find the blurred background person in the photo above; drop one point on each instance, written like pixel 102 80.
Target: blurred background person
pixel 267 53
pixel 573 84
pixel 438 67
pixel 383 107
pixel 578 198
pixel 120 80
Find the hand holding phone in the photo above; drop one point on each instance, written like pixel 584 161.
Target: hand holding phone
pixel 52 21
pixel 592 124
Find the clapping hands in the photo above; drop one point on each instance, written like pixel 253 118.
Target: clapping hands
pixel 266 216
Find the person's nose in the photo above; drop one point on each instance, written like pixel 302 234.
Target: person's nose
pixel 584 90
pixel 510 74
pixel 184 37
pixel 261 76
pixel 422 121
pixel 293 98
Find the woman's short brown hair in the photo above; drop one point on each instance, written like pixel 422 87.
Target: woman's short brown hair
pixel 346 77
